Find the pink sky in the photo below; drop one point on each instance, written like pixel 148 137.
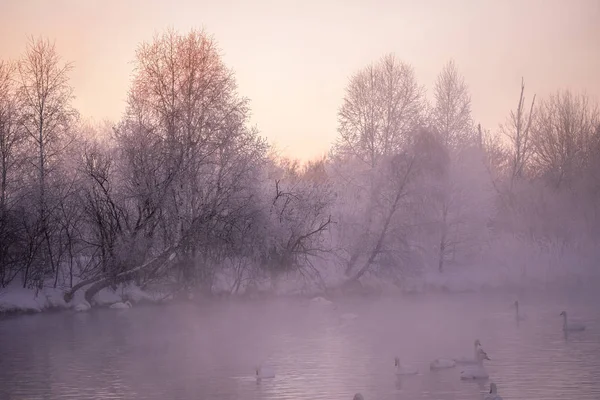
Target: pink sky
pixel 293 58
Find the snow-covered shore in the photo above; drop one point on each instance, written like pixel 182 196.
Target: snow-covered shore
pixel 18 300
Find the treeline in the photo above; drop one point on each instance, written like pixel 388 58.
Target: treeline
pixel 183 192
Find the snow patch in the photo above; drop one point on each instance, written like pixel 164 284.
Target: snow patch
pixel 19 299
pixel 55 298
pixel 16 299
pixel 135 294
pixel 106 297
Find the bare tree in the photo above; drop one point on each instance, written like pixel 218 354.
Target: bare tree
pixel 298 216
pixel 517 130
pixel 563 136
pixel 382 107
pixel 45 100
pixel 46 116
pixel 376 208
pixel 496 157
pixel 451 113
pixel 452 122
pixel 180 183
pixel 10 133
pixel 374 162
pixel 459 206
pixel 11 163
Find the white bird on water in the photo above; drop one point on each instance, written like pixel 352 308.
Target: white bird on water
pixel 493 394
pixel 442 363
pixel 468 360
pixel 476 371
pixel 571 327
pixel 121 305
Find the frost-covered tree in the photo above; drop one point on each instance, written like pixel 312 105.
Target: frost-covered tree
pixel 374 162
pixel 563 136
pixel 451 112
pixel 382 108
pixel 183 170
pixel 449 208
pixel 11 171
pixel 46 116
pixel 517 130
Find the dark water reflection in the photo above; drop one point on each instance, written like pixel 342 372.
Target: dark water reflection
pixel 209 352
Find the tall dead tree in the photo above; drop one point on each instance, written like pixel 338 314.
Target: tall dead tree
pixel 517 130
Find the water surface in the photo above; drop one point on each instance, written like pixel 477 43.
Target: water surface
pixel 191 352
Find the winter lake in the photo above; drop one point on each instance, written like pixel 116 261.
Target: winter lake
pixel 195 352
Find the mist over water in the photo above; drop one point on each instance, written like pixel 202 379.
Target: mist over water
pixel 179 237
pixel 210 351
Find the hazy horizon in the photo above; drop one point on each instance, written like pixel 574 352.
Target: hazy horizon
pixel 294 60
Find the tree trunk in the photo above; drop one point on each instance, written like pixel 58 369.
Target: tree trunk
pixel 442 254
pixel 105 282
pixel 381 238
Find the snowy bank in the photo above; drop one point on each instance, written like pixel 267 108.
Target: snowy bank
pixel 19 300
pixel 15 299
pixel 482 278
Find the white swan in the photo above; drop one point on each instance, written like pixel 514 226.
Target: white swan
pixel 572 327
pixel 472 372
pixel 402 369
pixel 493 394
pixel 83 306
pixel 121 305
pixel 442 363
pixel 264 372
pixel 476 371
pixel 358 396
pixel 519 317
pixel 469 360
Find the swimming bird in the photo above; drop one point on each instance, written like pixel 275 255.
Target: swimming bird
pixel 476 371
pixel 358 396
pixel 121 305
pixel 469 360
pixel 493 394
pixel 403 370
pixel 571 327
pixel 442 363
